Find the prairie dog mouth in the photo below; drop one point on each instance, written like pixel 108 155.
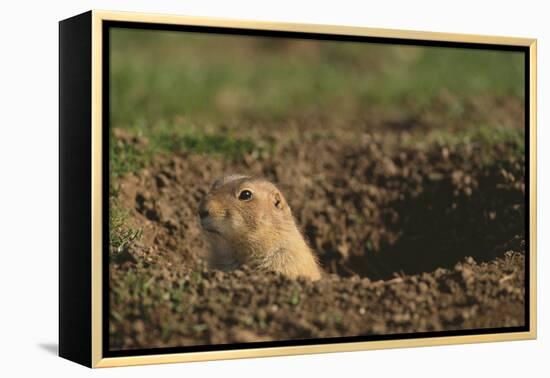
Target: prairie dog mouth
pixel 206 226
pixel 212 231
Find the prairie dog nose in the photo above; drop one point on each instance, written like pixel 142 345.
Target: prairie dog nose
pixel 203 211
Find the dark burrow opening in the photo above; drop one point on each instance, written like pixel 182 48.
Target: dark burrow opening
pixel 439 227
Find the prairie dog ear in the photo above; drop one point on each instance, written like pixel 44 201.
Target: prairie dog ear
pixel 278 200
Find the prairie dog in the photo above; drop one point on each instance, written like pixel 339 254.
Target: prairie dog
pixel 247 221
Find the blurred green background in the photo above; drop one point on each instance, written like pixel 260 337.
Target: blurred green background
pixel 159 76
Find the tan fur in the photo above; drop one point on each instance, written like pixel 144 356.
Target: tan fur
pixel 260 232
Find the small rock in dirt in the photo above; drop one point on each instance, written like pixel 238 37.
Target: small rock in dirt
pixel 401 318
pixel 240 335
pixel 423 287
pixel 162 181
pixel 467 275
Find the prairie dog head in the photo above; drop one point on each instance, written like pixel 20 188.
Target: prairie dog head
pixel 238 207
pixel 244 218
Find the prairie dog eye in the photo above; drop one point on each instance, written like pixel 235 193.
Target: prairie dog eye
pixel 245 195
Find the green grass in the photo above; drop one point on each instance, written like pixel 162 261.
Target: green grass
pixel 130 157
pixel 483 138
pixel 124 158
pixel 120 234
pixel 202 143
pixel 486 135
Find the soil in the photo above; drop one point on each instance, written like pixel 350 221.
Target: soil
pixel 412 240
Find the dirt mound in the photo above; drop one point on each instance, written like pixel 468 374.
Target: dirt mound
pixel 373 209
pixel 366 208
pixel 181 307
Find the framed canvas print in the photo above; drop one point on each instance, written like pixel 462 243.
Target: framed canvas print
pixel 234 189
